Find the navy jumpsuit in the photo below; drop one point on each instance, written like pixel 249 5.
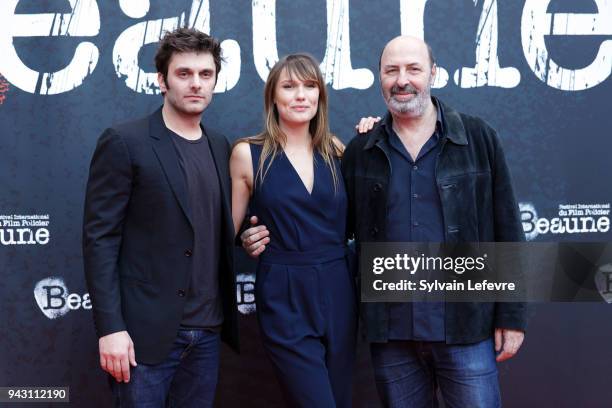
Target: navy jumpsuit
pixel 305 297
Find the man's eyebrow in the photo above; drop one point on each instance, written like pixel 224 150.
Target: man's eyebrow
pixel 179 68
pixel 410 64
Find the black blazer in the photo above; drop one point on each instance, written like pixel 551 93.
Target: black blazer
pixel 138 236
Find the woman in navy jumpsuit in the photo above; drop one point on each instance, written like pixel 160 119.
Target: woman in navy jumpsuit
pixel 289 176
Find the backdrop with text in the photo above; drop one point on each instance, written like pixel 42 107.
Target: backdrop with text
pixel 538 71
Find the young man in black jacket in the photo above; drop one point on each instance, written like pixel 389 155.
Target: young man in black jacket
pixel 158 238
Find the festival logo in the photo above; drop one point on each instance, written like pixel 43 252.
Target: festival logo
pixel 18 229
pixel 84 20
pixel 570 219
pixel 245 292
pixel 54 300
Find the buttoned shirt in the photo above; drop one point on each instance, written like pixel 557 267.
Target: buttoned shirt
pixel 414 214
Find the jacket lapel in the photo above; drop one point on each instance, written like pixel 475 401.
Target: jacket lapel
pixel 166 153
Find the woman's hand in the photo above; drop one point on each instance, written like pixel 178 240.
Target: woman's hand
pixel 366 124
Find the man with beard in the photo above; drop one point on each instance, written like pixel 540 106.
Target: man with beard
pixel 428 173
pixel 158 238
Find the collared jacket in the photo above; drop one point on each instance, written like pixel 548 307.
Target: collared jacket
pixel 138 237
pixel 478 205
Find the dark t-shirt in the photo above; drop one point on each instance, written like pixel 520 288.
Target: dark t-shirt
pixel 203 304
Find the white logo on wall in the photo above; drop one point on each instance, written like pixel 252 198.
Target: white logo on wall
pixel 570 219
pixel 245 293
pixel 54 300
pixel 17 229
pixel 84 20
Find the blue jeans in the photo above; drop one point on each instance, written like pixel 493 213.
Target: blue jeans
pixel 186 378
pixel 407 374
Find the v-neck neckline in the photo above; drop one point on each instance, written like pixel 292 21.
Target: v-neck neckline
pixel 297 174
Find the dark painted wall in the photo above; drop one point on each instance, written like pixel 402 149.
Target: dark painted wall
pixel 549 104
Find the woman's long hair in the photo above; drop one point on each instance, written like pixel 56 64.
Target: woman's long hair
pixel 272 138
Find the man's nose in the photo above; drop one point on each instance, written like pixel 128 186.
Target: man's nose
pixel 403 79
pixel 196 83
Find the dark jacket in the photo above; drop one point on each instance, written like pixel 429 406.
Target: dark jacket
pixel 478 205
pixel 138 237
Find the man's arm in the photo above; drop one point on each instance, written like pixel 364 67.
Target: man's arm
pixel 510 317
pixel 508 226
pixel 106 200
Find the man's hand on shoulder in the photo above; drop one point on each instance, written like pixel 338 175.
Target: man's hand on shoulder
pixel 507 343
pixel 116 355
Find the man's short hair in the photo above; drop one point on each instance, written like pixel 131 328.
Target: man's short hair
pixel 186 40
pixel 430 53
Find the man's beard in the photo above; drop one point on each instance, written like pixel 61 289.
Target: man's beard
pixel 414 107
